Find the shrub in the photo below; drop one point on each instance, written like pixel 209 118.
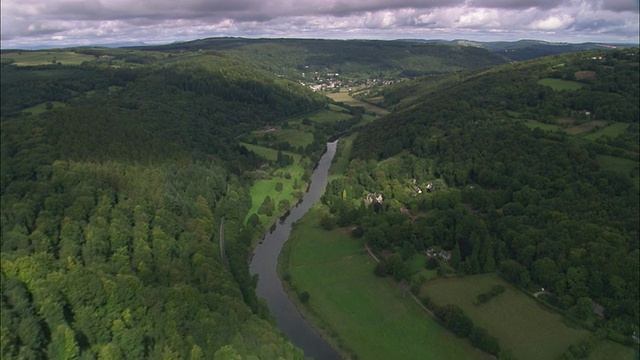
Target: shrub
pixel 304 297
pixel 381 269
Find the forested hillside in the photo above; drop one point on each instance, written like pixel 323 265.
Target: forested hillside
pixel 349 58
pixel 115 182
pixel 528 169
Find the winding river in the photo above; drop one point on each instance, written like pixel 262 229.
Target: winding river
pixel 265 261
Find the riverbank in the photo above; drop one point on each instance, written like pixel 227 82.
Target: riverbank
pixel 264 264
pixel 293 292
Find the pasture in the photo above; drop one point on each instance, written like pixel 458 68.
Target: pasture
pixel 42 108
pixel 344 97
pixel 372 317
pixel 616 164
pixel 559 84
pixel 330 115
pixel 33 58
pixel 267 187
pixel 586 127
pixel 611 131
pixel 520 324
pixel 341 159
pixel 608 350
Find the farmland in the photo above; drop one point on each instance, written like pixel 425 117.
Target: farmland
pixel 586 127
pixel 617 164
pixel 518 322
pixel 612 130
pixel 372 318
pixel 558 84
pixel 33 58
pixel 344 97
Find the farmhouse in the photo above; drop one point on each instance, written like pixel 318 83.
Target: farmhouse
pixel 373 197
pixel 597 309
pixel 441 254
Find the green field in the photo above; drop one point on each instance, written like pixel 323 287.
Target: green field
pixel 521 325
pixel 586 127
pixel 341 159
pixel 42 108
pixel 32 58
pixel 617 164
pixel 608 350
pixel 372 317
pixel 295 138
pixel 559 84
pixel 613 130
pixel 344 97
pixel 329 115
pixel 267 187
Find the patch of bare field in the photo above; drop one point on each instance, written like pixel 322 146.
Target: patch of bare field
pixel 581 75
pixel 566 121
pixel 583 128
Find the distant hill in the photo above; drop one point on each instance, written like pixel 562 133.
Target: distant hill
pixel 353 58
pixel 528 49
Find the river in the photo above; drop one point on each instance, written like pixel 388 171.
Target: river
pixel 265 263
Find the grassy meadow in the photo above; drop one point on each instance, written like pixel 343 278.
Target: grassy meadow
pixel 586 127
pixel 267 187
pixel 559 84
pixel 33 58
pixel 297 135
pixel 42 108
pixel 612 130
pixel 341 159
pixel 344 97
pixel 371 317
pixel 520 324
pixel 617 164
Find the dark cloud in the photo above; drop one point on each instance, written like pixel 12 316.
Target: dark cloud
pixel 517 4
pixel 620 5
pixel 348 7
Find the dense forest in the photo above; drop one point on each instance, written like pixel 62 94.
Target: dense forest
pixel 112 201
pixel 489 166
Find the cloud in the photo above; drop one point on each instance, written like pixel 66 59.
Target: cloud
pixel 64 22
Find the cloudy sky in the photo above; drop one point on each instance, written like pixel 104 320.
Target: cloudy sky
pixel 28 23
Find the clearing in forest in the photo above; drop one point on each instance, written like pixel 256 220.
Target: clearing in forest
pixel 33 58
pixel 586 127
pixel 613 130
pixel 344 97
pixel 559 84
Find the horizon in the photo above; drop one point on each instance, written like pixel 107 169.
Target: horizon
pixel 125 44
pixel 28 24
